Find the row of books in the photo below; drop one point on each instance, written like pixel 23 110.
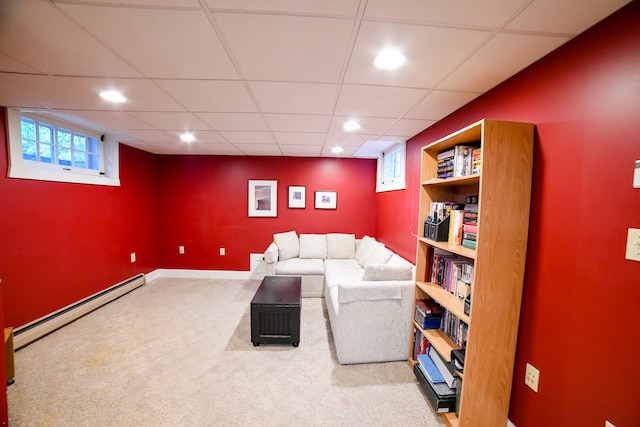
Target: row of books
pixel 459 161
pixel 455 328
pixel 470 222
pixel 452 272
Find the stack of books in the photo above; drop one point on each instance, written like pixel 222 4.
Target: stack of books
pixel 462 160
pixel 470 222
pixel 438 380
pixel 428 314
pixel 477 160
pixel 445 164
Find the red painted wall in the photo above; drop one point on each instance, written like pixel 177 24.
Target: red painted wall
pixel 204 205
pixel 62 242
pixel 579 322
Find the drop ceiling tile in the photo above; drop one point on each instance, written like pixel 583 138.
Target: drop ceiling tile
pixel 248 137
pixel 202 137
pixel 165 120
pixel 153 137
pixel 299 98
pixel 313 49
pixel 234 121
pixel 114 120
pixel 299 138
pixel 568 16
pixel 259 149
pixel 431 53
pixel 487 13
pixel 343 139
pixel 210 95
pixel 348 151
pixel 220 149
pixel 12 65
pixel 376 101
pixel 368 125
pixel 151 3
pixel 168 43
pixel 301 150
pixel 298 122
pixel 502 57
pixel 39 34
pixel 325 7
pixel 439 104
pixel 76 93
pixel 408 127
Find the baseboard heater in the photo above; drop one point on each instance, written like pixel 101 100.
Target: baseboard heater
pixel 32 331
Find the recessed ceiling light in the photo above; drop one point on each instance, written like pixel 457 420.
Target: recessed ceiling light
pixel 113 96
pixel 351 125
pixel 337 150
pixel 187 137
pixel 389 59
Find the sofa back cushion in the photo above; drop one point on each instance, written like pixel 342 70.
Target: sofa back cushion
pixel 378 272
pixel 341 246
pixel 313 246
pixel 375 254
pixel 366 243
pixel 288 245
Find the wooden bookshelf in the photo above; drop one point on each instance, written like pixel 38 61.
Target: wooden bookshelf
pixel 504 189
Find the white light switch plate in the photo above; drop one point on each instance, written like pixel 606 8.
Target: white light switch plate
pixel 636 175
pixel 633 244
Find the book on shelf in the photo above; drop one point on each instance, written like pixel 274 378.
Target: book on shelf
pixel 446 369
pixel 476 160
pixel 430 370
pixel 445 154
pixel 457 358
pixel 455 328
pixel 463 160
pixel 469 244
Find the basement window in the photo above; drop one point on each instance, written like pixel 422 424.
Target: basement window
pixel 46 148
pixel 391 169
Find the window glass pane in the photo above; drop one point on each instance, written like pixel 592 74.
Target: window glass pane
pixel 79 142
pixel 64 156
pixel 28 128
pixel 64 138
pixel 45 153
pixel 94 162
pixel 28 150
pixel 93 145
pixel 80 159
pixel 45 133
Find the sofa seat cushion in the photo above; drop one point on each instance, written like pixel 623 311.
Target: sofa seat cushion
pixel 296 266
pixel 365 291
pixel 342 271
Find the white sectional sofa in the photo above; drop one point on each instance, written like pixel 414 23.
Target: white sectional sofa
pixel 368 290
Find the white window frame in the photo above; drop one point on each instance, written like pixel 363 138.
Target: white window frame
pixel 108 174
pixel 394 184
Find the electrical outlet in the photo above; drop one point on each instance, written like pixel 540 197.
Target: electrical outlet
pixel 608 424
pixel 133 257
pixel 531 377
pixel 223 252
pixel 181 250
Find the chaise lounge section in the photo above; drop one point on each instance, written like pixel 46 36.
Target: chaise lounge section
pixel 368 290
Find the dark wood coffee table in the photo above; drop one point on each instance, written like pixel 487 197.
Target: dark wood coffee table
pixel 275 311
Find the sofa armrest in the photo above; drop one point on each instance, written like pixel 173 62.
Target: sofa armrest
pixel 271 259
pixel 373 290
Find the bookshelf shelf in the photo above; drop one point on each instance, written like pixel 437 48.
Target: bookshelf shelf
pixel 503 187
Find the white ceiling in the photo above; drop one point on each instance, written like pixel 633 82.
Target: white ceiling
pixel 271 77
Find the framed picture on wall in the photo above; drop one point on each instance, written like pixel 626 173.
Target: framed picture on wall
pixel 326 199
pixel 297 196
pixel 263 198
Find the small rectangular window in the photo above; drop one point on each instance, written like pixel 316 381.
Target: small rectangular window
pixel 391 169
pixel 46 148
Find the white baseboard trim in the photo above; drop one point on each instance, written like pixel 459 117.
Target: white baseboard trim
pixel 510 424
pixel 178 273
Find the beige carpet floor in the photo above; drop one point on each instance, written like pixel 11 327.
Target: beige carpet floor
pixel 177 352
